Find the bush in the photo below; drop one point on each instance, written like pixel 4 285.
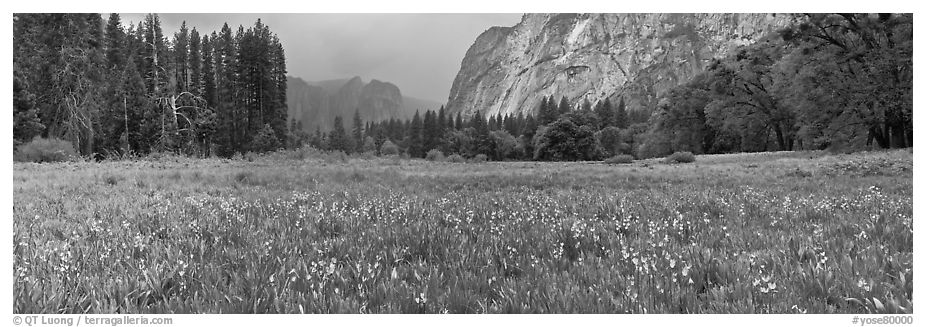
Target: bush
pixel 388 148
pixel 250 156
pixel 435 155
pixel 456 158
pixel 619 159
pixel 333 157
pixel 368 155
pixel 480 158
pixel 301 153
pixel 680 157
pixel 265 140
pixel 45 150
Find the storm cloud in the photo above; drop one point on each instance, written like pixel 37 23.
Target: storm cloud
pixel 421 53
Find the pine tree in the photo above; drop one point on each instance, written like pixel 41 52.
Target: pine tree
pixel 358 131
pixel 227 119
pixel 563 106
pixel 481 140
pixel 180 60
pixel 430 131
pixel 415 143
pixel 209 92
pixel 548 111
pixel 337 138
pixel 620 116
pixel 196 64
pixel 26 122
pixel 605 113
pixel 115 43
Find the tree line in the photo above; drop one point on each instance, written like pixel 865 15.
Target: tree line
pixel 553 131
pixel 839 81
pixel 112 90
pixel 831 80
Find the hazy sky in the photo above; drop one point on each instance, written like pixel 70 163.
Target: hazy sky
pixel 420 53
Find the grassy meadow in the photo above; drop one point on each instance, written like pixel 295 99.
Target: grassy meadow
pixel 796 232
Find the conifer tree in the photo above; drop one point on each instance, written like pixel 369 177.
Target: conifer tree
pixel 358 131
pixel 620 116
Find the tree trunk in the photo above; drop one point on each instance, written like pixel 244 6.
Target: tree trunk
pixel 782 146
pixel 876 133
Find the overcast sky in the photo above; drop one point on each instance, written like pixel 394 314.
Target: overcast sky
pixel 420 53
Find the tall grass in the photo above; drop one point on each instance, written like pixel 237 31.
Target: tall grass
pixel 218 236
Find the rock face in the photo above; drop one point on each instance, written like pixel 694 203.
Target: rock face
pixel 593 56
pixel 316 104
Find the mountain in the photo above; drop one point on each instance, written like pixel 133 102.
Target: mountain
pixel 594 56
pixel 316 104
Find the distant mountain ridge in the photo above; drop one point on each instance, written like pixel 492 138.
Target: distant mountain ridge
pixel 317 103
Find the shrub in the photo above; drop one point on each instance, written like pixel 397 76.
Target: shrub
pixel 250 156
pixel 265 140
pixel 45 150
pixel 435 155
pixel 680 157
pixel 112 179
pixel 333 157
pixel 368 155
pixel 456 158
pixel 301 153
pixel 480 158
pixel 619 159
pixel 369 144
pixel 388 148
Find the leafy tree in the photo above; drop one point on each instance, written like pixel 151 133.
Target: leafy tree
pixel 460 142
pixel 610 141
pixel 849 77
pixel 743 95
pixel 504 145
pixel 679 122
pixel 569 138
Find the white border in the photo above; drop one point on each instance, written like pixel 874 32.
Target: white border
pixel 471 6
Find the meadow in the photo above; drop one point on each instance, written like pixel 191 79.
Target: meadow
pixel 790 232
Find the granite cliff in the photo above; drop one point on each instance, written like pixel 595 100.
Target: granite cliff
pixel 593 56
